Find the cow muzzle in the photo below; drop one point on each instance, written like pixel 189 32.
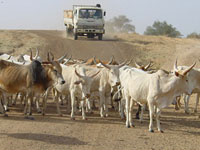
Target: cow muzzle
pixel 63 82
pixel 117 83
pixel 87 96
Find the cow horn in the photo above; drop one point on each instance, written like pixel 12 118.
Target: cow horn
pixel 31 56
pixel 137 65
pixel 104 64
pixel 9 57
pixel 37 53
pixel 92 76
pixel 111 60
pixel 147 66
pixel 61 58
pixel 48 57
pixel 52 56
pixel 94 60
pixel 128 63
pixel 80 76
pixel 67 60
pixel 122 64
pixel 187 70
pixel 175 65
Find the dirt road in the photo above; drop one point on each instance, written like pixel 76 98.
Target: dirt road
pixel 53 132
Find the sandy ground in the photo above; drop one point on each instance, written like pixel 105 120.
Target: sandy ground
pixel 182 130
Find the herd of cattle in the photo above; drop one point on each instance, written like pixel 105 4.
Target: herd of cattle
pixel 80 83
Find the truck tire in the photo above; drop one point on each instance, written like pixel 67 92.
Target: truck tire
pixel 100 36
pixel 75 36
pixel 67 32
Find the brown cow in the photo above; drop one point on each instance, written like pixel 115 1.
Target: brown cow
pixel 29 78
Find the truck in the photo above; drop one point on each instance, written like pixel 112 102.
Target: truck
pixel 85 20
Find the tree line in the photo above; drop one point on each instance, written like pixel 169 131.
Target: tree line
pixel 121 24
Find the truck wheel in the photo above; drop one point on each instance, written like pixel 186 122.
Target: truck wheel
pixel 75 36
pixel 67 32
pixel 100 36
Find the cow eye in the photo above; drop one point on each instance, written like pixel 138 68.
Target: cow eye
pixel 186 80
pixel 55 71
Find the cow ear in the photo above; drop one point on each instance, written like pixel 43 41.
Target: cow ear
pixel 77 82
pixel 177 74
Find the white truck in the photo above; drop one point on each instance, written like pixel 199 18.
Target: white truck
pixel 85 20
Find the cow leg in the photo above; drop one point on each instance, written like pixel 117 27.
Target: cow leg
pixel 127 111
pixel 45 96
pixel 151 113
pixel 30 100
pixel 15 100
pixel 102 103
pixel 28 107
pixel 37 101
pixel 72 105
pixel 5 102
pixel 138 112
pixel 158 119
pixel 186 100
pixel 122 109
pixel 57 95
pixel 197 102
pixel 83 109
pixel 142 112
pixel 106 105
pixel 68 100
pixel 88 106
pixel 93 104
pixel 130 113
pixel 2 109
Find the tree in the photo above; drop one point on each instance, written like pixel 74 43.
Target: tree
pixel 120 24
pixel 193 35
pixel 162 28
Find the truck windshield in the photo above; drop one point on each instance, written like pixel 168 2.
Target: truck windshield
pixel 90 13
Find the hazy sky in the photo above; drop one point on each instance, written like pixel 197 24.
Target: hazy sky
pixel 48 14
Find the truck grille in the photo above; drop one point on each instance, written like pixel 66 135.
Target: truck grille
pixel 90 27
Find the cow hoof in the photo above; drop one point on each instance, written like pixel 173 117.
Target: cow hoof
pixel 91 112
pixel 113 107
pixel 85 118
pixel 5 115
pixel 132 126
pixel 72 118
pixel 123 119
pixel 187 112
pixel 7 110
pixel 151 130
pixel 29 117
pixel 128 126
pixel 137 117
pixel 161 131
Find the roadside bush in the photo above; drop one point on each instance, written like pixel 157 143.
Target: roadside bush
pixel 162 28
pixel 193 35
pixel 120 24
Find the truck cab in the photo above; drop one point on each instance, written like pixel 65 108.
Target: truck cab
pixel 87 21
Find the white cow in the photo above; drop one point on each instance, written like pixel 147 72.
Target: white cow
pixel 194 80
pixel 107 78
pixel 158 89
pixel 77 84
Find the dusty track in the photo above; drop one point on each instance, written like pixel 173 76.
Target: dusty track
pixel 52 132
